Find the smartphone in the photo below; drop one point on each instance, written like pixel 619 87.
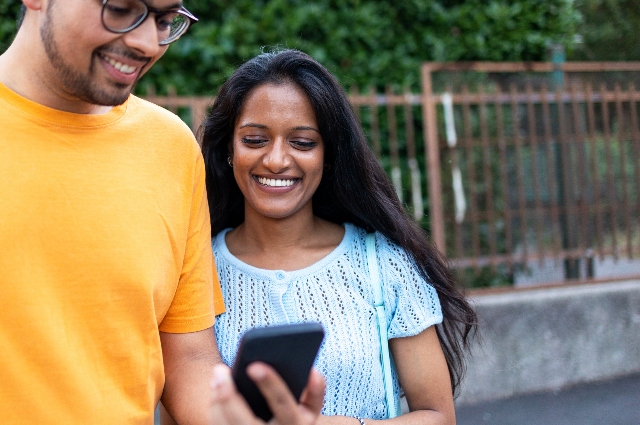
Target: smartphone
pixel 290 349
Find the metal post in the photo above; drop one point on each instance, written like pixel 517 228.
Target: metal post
pixel 558 58
pixel 565 187
pixel 432 153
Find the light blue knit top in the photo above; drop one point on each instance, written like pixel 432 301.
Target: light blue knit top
pixel 335 291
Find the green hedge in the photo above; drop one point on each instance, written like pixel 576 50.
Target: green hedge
pixel 363 42
pixel 9 11
pixel 610 30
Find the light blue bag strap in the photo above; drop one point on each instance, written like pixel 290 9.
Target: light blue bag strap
pixel 374 274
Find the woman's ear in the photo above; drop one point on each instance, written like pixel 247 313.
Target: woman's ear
pixel 230 156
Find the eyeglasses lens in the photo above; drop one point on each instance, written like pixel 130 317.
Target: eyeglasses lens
pixel 121 15
pixel 124 15
pixel 171 26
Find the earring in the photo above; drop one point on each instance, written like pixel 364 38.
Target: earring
pixel 229 162
pixel 327 167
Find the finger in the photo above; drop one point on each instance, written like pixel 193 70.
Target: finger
pixel 313 395
pixel 227 405
pixel 283 406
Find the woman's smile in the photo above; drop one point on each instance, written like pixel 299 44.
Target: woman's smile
pixel 270 182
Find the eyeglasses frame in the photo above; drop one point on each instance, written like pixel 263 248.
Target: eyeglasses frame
pixel 182 11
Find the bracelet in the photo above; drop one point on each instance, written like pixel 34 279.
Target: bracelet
pixel 360 419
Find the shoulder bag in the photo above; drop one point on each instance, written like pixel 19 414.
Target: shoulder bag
pixel 393 403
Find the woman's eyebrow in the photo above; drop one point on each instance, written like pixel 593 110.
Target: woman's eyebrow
pixel 254 125
pixel 262 126
pixel 304 127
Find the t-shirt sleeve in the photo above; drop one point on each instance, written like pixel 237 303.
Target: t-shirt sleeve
pixel 192 308
pixel 218 301
pixel 412 302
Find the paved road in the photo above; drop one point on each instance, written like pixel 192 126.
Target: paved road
pixel 614 402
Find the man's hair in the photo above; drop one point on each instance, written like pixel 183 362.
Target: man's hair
pixel 354 188
pixel 23 10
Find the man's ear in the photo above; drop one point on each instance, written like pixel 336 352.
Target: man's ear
pixel 34 4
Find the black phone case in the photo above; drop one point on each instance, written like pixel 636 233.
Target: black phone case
pixel 290 349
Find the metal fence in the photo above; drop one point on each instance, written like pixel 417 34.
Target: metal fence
pixel 527 183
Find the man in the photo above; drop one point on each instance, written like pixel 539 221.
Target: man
pixel 106 268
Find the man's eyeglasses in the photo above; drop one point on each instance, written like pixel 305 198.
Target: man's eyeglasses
pixel 122 16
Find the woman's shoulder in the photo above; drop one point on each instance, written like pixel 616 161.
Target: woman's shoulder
pixel 382 241
pixel 386 250
pixel 391 254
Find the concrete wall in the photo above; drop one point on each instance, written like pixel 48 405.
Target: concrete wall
pixel 545 339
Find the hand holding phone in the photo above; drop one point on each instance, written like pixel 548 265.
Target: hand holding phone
pixel 290 349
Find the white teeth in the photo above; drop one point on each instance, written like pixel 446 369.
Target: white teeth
pixel 275 182
pixel 125 69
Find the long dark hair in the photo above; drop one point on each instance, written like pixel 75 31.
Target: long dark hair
pixel 354 189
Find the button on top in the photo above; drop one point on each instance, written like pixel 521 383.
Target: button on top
pixel 279 275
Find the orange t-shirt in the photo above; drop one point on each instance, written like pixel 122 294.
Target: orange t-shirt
pixel 105 241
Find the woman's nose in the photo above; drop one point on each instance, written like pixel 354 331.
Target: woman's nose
pixel 277 158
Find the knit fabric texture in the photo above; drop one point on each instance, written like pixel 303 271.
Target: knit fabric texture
pixel 337 292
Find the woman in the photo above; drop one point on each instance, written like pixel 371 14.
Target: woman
pixel 293 190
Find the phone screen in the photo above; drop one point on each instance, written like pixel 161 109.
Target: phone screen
pixel 290 349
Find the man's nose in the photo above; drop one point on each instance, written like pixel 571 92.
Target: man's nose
pixel 144 38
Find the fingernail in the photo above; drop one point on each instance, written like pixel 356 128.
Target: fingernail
pixel 256 371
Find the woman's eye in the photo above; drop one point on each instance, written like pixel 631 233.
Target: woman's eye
pixel 254 142
pixel 303 145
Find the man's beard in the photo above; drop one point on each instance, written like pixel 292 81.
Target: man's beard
pixel 82 86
